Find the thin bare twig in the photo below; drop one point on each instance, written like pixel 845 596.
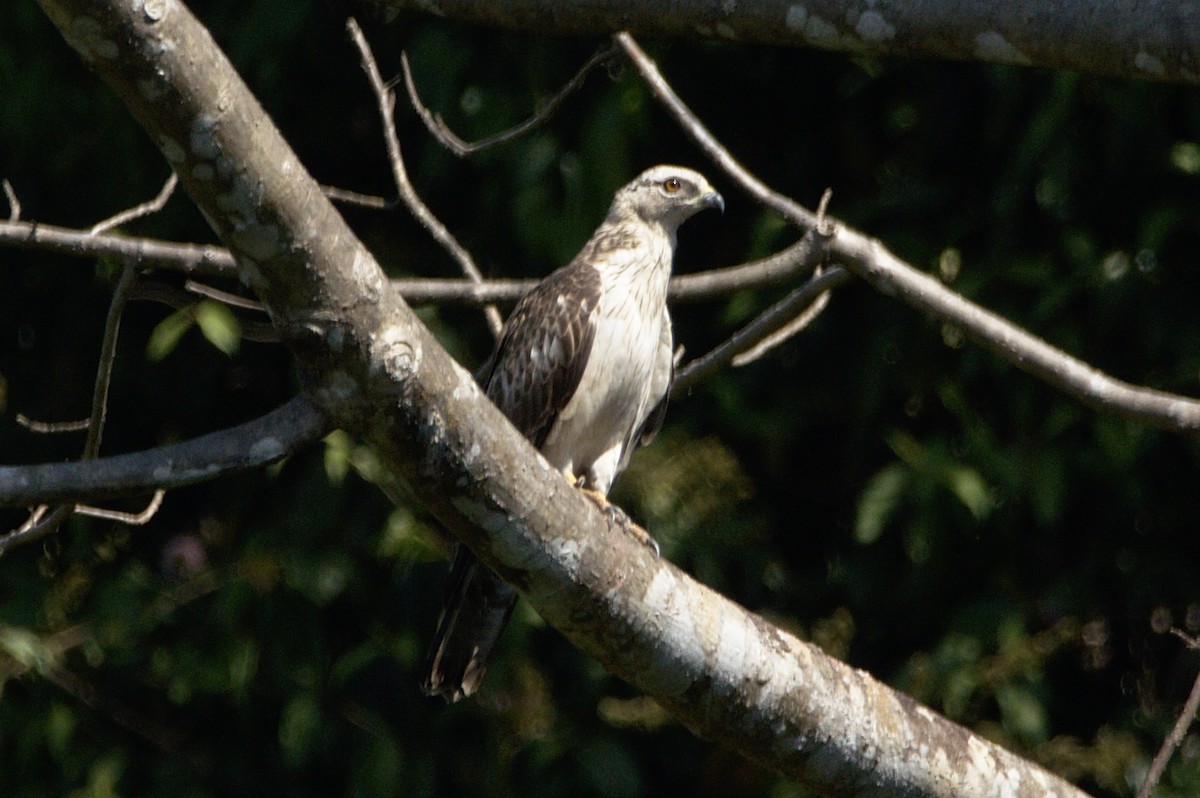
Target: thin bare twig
pixel 38 526
pixel 133 519
pixel 108 354
pixel 386 100
pixel 869 259
pixel 447 138
pixel 806 317
pixel 138 211
pixel 763 325
pixel 1182 723
pixel 14 204
pixel 51 427
pixel 175 297
pixel 224 297
pixel 348 197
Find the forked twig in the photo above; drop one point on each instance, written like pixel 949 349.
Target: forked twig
pixel 447 138
pixel 386 100
pixel 806 317
pixel 763 325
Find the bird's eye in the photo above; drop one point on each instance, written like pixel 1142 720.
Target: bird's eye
pixel 671 185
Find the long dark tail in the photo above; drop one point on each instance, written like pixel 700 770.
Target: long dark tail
pixel 476 609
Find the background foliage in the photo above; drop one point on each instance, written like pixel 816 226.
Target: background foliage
pixel 907 501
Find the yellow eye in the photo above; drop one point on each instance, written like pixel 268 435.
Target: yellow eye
pixel 671 185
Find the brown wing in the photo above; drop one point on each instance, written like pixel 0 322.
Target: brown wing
pixel 540 359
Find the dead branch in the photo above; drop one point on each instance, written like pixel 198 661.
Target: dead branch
pixel 214 261
pixel 280 433
pixel 447 138
pixel 386 100
pixel 766 324
pixel 1182 723
pixel 14 204
pixel 138 211
pixel 869 259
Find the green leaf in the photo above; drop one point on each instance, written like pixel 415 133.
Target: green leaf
pixel 878 501
pixel 165 336
pixel 971 489
pixel 218 324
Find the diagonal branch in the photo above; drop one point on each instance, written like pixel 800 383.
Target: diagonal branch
pixel 869 259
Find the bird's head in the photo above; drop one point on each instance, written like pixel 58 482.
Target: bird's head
pixel 666 195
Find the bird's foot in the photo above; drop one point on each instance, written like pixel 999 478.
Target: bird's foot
pixel 616 515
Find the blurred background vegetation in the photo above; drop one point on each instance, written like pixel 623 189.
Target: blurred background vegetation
pixel 903 499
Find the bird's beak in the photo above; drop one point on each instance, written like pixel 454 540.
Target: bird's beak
pixel 712 199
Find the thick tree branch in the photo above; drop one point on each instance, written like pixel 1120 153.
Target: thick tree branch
pixel 377 371
pixel 870 259
pixel 1147 39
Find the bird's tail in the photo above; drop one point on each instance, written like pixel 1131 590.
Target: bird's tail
pixel 477 608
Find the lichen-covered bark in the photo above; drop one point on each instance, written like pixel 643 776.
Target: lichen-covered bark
pixel 1149 39
pixel 376 371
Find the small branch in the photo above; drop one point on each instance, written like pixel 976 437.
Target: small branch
pixel 14 204
pixel 869 259
pixel 807 316
pixel 181 299
pixel 206 259
pixel 138 211
pixel 770 320
pixel 1182 723
pixel 386 100
pixel 51 427
pixel 348 197
pixel 108 354
pixel 446 137
pixel 224 297
pixel 132 519
pixel 256 443
pixel 37 526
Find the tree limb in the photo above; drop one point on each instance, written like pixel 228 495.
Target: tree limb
pixel 377 371
pixel 870 259
pixel 1145 39
pixel 214 261
pixel 256 443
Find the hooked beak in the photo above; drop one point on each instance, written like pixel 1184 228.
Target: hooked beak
pixel 713 200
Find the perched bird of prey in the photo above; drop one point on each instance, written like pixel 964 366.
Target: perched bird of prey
pixel 582 368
